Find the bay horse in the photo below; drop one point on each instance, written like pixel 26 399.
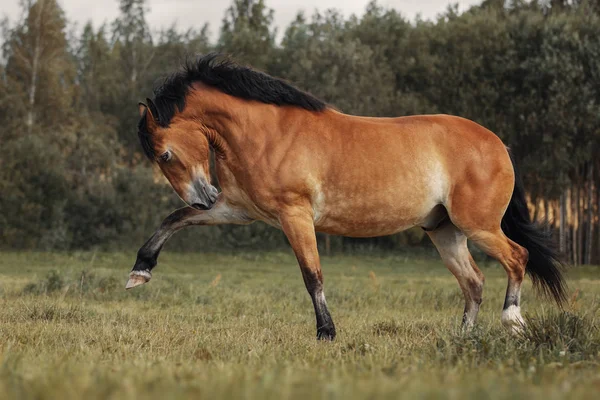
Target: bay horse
pixel 284 157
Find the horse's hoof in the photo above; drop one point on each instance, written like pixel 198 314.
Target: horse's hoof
pixel 516 329
pixel 326 333
pixel 137 278
pixel 513 321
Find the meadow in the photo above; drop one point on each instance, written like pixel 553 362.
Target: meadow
pixel 242 326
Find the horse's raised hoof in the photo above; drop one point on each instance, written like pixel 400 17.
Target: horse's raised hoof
pixel 137 278
pixel 326 333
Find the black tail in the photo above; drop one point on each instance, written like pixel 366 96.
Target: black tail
pixel 544 266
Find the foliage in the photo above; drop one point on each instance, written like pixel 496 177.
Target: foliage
pixel 72 176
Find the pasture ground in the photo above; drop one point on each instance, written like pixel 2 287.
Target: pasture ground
pixel 242 326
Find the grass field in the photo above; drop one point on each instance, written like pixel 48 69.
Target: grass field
pixel 242 326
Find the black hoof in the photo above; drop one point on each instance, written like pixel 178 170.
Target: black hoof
pixel 326 333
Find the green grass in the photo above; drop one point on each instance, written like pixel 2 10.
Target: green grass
pixel 242 326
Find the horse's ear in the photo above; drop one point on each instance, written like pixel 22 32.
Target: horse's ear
pixel 142 107
pixel 153 111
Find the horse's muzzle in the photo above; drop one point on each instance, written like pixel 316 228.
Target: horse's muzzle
pixel 205 196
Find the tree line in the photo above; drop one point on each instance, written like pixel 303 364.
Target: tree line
pixel 72 175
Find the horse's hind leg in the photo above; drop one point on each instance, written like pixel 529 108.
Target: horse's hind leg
pixel 452 246
pixel 481 224
pixel 513 258
pixel 483 228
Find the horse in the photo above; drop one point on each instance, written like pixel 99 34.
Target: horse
pixel 285 157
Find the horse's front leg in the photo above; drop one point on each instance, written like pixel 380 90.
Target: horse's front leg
pixel 147 256
pixel 299 228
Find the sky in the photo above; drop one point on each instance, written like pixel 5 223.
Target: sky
pixel 194 13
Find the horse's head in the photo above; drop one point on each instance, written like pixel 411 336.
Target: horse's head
pixel 181 153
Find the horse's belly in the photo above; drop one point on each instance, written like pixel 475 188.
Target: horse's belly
pixel 388 194
pixel 360 219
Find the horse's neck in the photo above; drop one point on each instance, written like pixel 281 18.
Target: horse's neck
pixel 263 123
pixel 246 127
pixel 244 132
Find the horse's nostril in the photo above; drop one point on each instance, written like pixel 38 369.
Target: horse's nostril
pixel 200 206
pixel 211 193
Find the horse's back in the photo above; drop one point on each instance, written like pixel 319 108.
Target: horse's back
pixel 394 173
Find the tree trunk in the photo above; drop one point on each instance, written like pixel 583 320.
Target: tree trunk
pixel 35 67
pixel 134 73
pixel 562 239
pixel 589 222
pixel 574 224
pixel 580 228
pixel 534 203
pixel 598 220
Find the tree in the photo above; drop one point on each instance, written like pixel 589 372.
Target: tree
pixel 134 53
pixel 247 32
pixel 98 89
pixel 38 63
pixel 174 47
pixel 323 58
pixel 39 79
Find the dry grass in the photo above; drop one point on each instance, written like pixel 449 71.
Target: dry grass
pixel 218 326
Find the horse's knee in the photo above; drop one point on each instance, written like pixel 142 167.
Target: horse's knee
pixel 480 275
pixel 516 262
pixel 475 286
pixel 522 257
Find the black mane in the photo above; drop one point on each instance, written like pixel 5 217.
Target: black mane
pixel 225 75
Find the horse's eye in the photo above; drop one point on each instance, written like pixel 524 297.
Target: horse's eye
pixel 166 156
